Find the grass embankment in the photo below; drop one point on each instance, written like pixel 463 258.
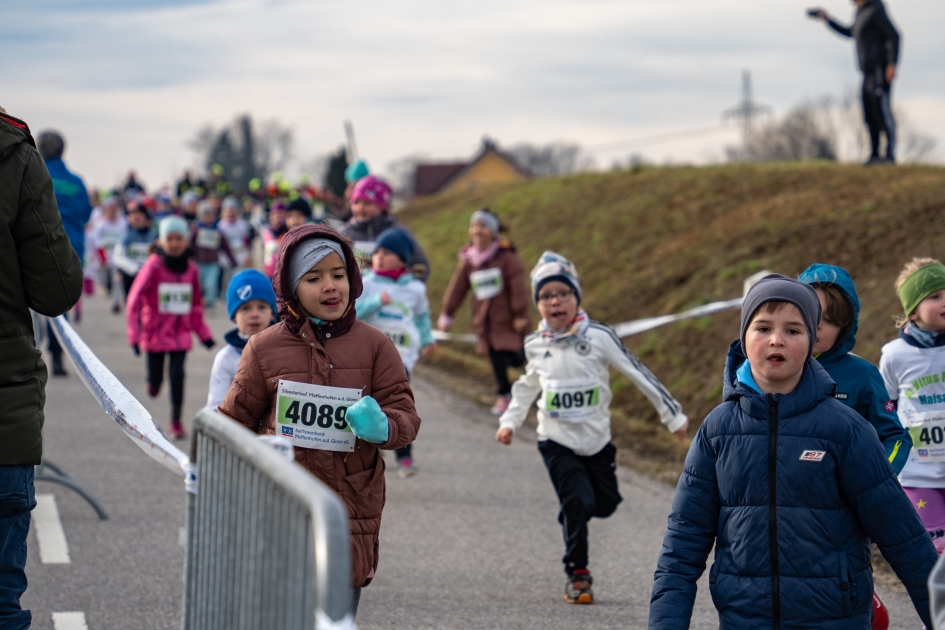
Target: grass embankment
pixel 660 240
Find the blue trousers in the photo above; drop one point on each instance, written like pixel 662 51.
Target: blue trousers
pixel 209 282
pixel 16 501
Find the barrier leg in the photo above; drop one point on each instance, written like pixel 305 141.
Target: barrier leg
pixel 58 476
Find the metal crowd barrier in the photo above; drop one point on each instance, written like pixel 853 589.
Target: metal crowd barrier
pixel 267 543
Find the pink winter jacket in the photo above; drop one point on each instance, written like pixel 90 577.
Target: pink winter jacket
pixel 165 307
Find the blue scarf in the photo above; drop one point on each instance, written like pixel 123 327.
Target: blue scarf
pixel 921 338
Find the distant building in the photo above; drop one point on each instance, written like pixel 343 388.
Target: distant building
pixel 489 166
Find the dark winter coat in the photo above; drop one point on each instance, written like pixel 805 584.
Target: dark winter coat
pixel 877 40
pixel 859 384
pixel 342 353
pixel 39 270
pixel 365 234
pixel 790 488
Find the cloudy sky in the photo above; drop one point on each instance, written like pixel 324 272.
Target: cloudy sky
pixel 130 82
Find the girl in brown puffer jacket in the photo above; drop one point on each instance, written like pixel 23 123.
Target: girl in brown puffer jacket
pixel 333 385
pixel 491 268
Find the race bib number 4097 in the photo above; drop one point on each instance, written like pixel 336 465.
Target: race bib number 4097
pixel 313 416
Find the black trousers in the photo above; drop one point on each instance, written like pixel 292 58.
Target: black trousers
pixel 877 110
pixel 502 360
pixel 175 374
pixel 586 487
pixel 126 281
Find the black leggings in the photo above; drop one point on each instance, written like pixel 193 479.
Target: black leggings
pixel 175 374
pixel 126 281
pixel 502 360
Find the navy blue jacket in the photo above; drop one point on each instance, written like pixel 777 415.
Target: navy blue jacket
pixel 790 488
pixel 859 384
pixel 73 201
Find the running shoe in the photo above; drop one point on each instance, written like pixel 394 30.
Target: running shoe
pixel 153 391
pixel 405 468
pixel 577 590
pixel 501 404
pixel 177 430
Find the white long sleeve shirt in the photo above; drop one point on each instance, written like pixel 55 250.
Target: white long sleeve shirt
pixel 573 382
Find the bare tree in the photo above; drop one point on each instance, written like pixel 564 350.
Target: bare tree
pixel 402 172
pixel 552 160
pixel 807 132
pixel 245 149
pixel 914 145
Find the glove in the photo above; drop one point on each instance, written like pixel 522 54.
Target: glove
pixel 136 349
pixel 367 421
pixel 209 343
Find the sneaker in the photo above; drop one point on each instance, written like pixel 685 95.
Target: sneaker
pixel 501 404
pixel 875 160
pixel 405 468
pixel 116 308
pixel 177 430
pixel 153 391
pixel 578 588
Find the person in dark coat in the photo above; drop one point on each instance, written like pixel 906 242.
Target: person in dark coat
pixel 877 52
pixel 789 485
pixel 39 270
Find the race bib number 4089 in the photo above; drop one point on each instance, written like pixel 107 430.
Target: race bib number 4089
pixel 313 416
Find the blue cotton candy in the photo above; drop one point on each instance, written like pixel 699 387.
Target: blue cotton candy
pixel 367 421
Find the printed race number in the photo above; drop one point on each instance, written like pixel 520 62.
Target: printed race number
pixel 175 298
pixel 573 400
pixel 928 438
pixel 314 416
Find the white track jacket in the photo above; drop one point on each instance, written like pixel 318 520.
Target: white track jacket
pixel 573 382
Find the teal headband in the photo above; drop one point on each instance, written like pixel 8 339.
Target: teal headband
pixel 920 285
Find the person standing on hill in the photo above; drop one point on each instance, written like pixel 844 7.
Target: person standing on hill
pixel 74 208
pixel 39 270
pixel 491 268
pixel 877 47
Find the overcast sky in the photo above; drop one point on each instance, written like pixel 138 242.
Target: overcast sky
pixel 130 82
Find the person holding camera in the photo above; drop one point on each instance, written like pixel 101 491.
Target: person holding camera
pixel 877 47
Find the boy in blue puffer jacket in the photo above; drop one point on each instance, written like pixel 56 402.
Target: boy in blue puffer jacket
pixel 790 485
pixel 860 386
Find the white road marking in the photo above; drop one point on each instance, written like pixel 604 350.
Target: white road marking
pixel 52 539
pixel 69 621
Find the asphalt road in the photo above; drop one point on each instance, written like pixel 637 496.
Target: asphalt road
pixel 471 542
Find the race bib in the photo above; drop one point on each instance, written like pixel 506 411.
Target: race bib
pixel 139 252
pixel 175 298
pixel 208 239
pixel 313 416
pixel 573 400
pixel 486 284
pixel 928 437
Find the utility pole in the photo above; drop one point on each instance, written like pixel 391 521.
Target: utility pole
pixel 351 149
pixel 747 111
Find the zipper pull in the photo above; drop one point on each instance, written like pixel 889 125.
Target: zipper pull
pixel 772 405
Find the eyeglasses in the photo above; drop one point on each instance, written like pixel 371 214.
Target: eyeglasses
pixel 551 297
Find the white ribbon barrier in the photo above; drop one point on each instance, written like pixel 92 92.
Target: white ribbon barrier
pixel 118 402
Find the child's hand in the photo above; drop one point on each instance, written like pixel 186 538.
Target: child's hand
pixel 520 324
pixel 385 298
pixel 444 322
pixel 429 350
pixel 504 436
pixel 209 343
pixel 680 433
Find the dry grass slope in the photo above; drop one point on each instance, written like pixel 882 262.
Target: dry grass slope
pixel 658 240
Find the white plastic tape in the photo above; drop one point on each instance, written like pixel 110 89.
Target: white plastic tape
pixel 637 326
pixel 117 401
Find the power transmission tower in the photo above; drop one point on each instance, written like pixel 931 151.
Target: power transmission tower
pixel 747 111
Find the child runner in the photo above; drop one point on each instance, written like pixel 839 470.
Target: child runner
pixel 298 377
pixel 134 249
pixel 208 242
pixel 913 367
pixel 568 370
pixel 298 213
pixel 238 234
pixel 272 237
pixel 859 384
pixel 164 308
pixel 251 304
pixel 107 231
pixel 789 485
pixel 491 268
pixel 396 303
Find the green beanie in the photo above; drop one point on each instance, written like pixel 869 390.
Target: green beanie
pixel 920 285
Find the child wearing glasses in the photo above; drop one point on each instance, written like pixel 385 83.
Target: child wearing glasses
pixel 569 357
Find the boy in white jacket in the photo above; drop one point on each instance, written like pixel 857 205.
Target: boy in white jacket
pixel 251 303
pixel 395 302
pixel 569 357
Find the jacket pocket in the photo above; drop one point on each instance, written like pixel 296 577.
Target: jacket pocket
pixel 713 579
pixel 363 492
pixel 16 490
pixel 847 591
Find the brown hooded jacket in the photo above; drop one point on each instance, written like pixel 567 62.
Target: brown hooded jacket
pixel 343 353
